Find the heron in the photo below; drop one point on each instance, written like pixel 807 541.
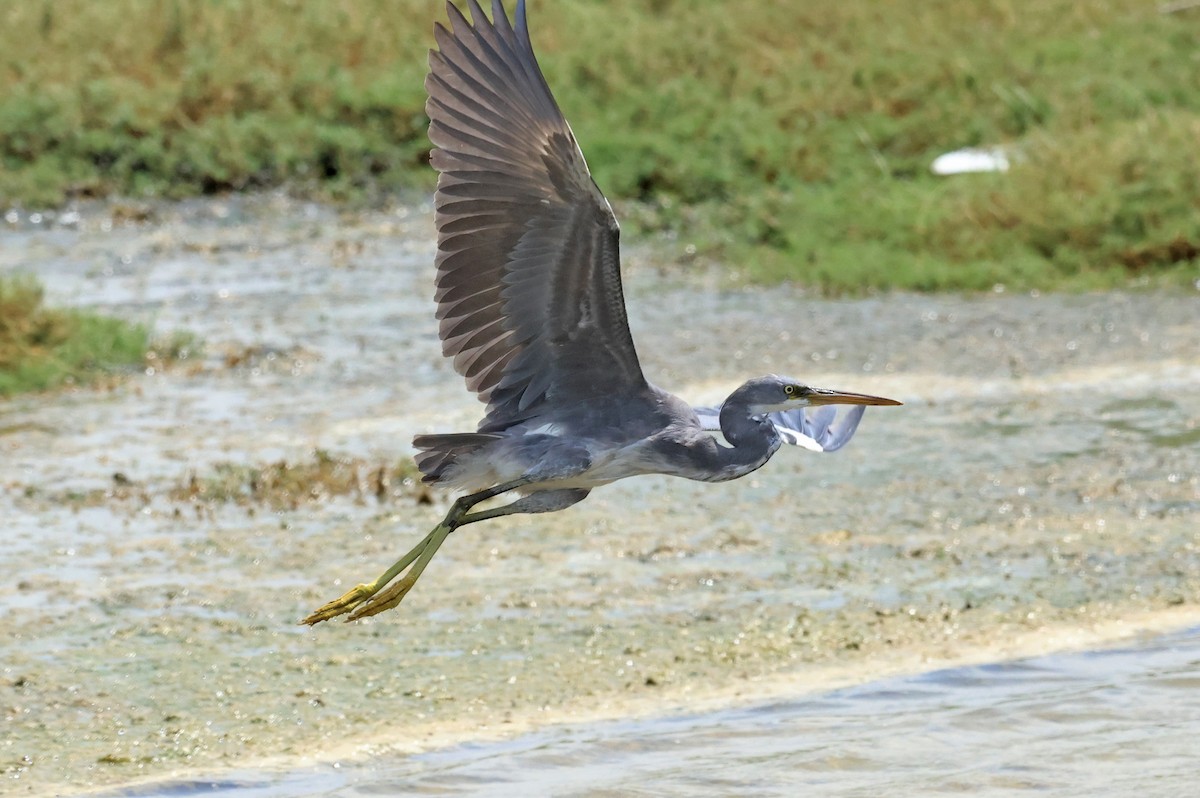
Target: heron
pixel 531 311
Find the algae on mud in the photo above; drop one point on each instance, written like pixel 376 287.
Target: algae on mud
pixel 1038 491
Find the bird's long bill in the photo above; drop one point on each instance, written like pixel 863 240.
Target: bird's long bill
pixel 824 396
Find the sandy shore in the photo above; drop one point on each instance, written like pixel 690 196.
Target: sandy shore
pixel 1040 490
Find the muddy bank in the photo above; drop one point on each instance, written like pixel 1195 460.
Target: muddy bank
pixel 1040 488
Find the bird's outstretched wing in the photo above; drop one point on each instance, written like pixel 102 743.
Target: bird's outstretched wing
pixel 818 429
pixel 528 271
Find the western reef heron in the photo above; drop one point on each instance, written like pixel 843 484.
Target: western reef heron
pixel 531 311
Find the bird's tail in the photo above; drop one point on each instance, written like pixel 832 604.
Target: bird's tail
pixel 437 455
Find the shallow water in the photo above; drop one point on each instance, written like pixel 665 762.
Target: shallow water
pixel 1043 475
pixel 1116 722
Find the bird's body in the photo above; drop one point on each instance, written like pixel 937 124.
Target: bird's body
pixel 532 313
pixel 586 444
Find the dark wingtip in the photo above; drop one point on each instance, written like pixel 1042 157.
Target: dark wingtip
pixel 477 15
pixel 500 17
pixel 457 17
pixel 439 31
pixel 522 25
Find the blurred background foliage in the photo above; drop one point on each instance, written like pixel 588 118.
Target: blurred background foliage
pixel 787 139
pixel 43 348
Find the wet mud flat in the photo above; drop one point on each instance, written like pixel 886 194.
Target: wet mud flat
pixel 1117 721
pixel 1040 490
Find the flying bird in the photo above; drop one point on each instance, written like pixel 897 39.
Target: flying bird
pixel 531 311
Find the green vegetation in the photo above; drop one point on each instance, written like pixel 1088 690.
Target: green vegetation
pixel 792 139
pixel 43 348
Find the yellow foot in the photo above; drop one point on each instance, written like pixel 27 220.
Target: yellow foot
pixel 341 606
pixel 385 600
pixel 361 601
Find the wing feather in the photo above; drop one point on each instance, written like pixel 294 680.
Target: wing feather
pixel 529 293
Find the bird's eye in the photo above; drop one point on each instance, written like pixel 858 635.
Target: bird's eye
pixel 789 389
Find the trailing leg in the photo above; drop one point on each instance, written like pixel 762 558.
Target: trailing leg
pixel 360 593
pixel 546 501
pixel 541 502
pixel 362 600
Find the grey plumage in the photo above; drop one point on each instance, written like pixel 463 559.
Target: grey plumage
pixel 531 312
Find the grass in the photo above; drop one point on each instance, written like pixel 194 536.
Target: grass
pixel 789 140
pixel 44 348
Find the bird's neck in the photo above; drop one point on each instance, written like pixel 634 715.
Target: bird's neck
pixel 752 441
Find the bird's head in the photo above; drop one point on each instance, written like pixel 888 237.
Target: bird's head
pixel 773 393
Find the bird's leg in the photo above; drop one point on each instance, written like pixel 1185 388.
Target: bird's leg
pixel 362 600
pixel 370 604
pixel 394 594
pixel 360 593
pixel 546 501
